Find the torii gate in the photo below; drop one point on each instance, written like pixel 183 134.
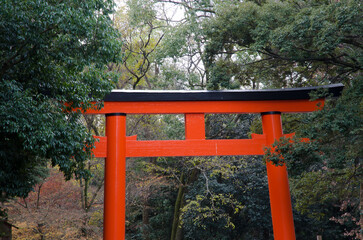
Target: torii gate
pixel 116 147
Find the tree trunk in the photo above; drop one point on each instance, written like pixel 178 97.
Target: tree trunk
pixel 179 230
pixel 40 230
pixel 178 205
pixel 38 196
pixel 361 210
pixel 145 220
pixel 86 184
pixel 82 192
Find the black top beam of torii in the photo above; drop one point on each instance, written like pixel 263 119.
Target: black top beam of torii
pixel 224 95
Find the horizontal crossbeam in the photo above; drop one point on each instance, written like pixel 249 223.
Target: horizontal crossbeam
pixel 193 147
pixel 170 148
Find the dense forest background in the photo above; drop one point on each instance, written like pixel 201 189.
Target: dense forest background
pixel 52 52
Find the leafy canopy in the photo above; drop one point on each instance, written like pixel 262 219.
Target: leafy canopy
pixel 51 52
pixel 295 42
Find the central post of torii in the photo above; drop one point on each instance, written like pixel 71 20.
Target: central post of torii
pixel 115 147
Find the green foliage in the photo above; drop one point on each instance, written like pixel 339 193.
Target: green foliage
pixel 160 207
pixel 335 133
pixel 327 170
pixel 225 204
pixel 162 213
pixel 295 41
pixel 51 53
pixel 212 170
pixel 140 12
pixel 141 35
pixel 298 156
pixel 230 126
pixel 173 77
pixel 338 127
pixel 330 199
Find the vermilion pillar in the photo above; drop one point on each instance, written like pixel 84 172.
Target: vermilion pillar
pixel 280 200
pixel 115 177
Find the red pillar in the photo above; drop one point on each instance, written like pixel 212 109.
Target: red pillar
pixel 115 177
pixel 280 200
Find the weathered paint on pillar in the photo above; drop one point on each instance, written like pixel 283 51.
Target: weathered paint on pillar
pixel 280 200
pixel 115 178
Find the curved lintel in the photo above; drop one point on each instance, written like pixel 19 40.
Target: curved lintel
pixel 226 95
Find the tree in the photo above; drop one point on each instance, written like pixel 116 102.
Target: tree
pixel 141 36
pixel 51 53
pixel 295 42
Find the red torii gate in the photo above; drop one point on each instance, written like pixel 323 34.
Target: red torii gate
pixel 194 104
